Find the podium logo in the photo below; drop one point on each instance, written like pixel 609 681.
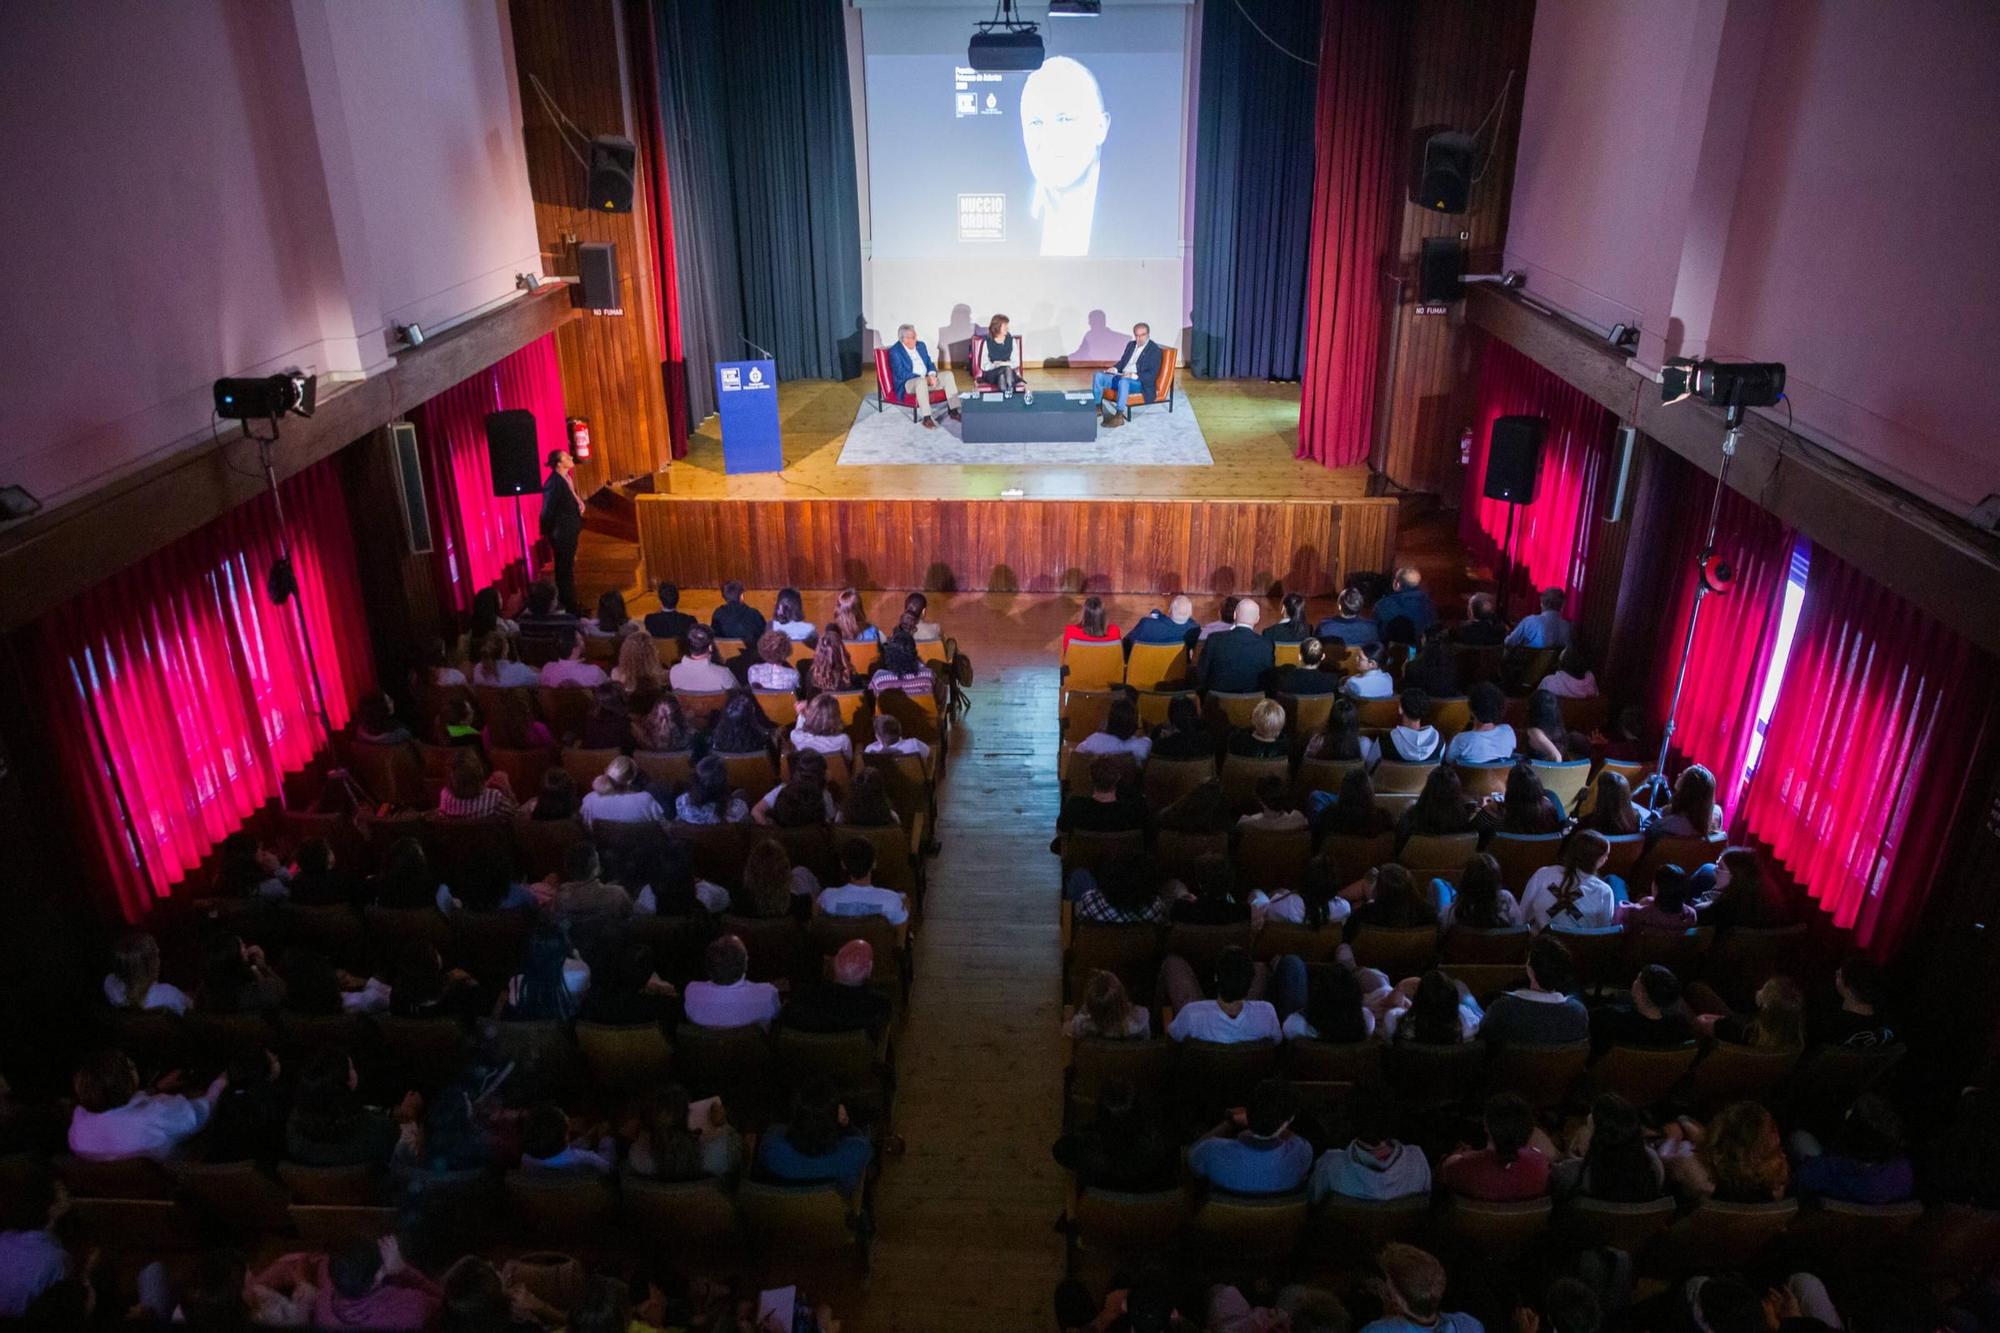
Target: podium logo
pixel 756 374
pixel 732 378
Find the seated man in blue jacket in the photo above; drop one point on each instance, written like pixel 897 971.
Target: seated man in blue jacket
pixel 1137 368
pixel 1407 598
pixel 1174 625
pixel 912 370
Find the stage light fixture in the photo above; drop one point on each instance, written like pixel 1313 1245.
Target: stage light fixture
pixel 1623 338
pixel 410 335
pixel 1728 384
pixel 1718 573
pixel 290 393
pixel 527 282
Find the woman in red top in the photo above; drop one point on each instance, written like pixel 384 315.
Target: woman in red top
pixel 1508 1169
pixel 1091 626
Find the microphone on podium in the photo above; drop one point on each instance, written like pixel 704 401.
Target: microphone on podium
pixel 755 348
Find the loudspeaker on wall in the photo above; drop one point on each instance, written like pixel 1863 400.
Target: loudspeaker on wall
pixel 1439 269
pixel 611 159
pixel 1444 176
pixel 1514 459
pixel 510 452
pixel 597 276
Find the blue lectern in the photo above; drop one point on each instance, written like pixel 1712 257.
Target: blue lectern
pixel 746 399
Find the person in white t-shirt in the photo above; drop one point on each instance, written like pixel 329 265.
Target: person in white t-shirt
pixel 571 669
pixel 820 728
pixel 1120 734
pixel 729 999
pixel 115 1121
pixel 1489 740
pixel 1371 682
pixel 860 896
pixel 889 739
pixel 1571 896
pixel 134 980
pixel 788 617
pixel 774 669
pixel 1232 1016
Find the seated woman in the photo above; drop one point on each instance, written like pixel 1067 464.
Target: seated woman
pixel 742 728
pixel 788 616
pixel 1779 1024
pixel 405 880
pixel 830 668
pixel 815 1144
pixel 1182 735
pixel 1743 894
pixel 551 983
pixel 1275 812
pixel 1440 808
pixel 1572 678
pixel 923 631
pixel 488 614
pixel 1609 1159
pixel 496 667
pixel 820 729
pixel 1432 1010
pixel 1120 734
pixel 329 1126
pixel 314 987
pixel 251 870
pixel 437 664
pixel 134 980
pixel 801 801
pixel 1692 813
pixel 708 800
pixel 618 795
pixel 1352 814
pixel 1373 681
pixel 1000 359
pixel 612 621
pixel 1667 909
pixel 512 725
pixel 1864 1163
pixel 850 617
pixel 1092 625
pixel 773 669
pixel 1508 1169
pixel 1335 1010
pixel 1315 903
pixel 1572 895
pixel 1479 902
pixel 1393 900
pixel 658 724
pixel 1107 1011
pixel 1340 739
pixel 902 667
pixel 608 724
pixel 557 799
pixel 868 804
pixel 1612 812
pixel 1547 737
pixel 688 1140
pixel 235 979
pixel 1736 1158
pixel 375 721
pixel 1264 739
pixel 1292 626
pixel 1526 806
pixel 772 887
pixel 472 792
pixel 639 667
pixel 1208 896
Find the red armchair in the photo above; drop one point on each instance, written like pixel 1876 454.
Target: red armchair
pixel 977 361
pixel 885 392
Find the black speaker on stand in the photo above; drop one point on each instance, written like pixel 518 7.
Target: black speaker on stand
pixel 510 455
pixel 1513 466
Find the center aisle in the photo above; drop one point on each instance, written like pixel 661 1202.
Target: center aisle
pixel 966 1239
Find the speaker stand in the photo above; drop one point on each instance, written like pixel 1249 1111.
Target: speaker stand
pixel 1507 558
pixel 527 556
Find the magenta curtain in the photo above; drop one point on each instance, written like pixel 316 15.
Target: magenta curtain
pixel 1359 152
pixel 1737 631
pixel 477 535
pixel 178 695
pixel 1868 757
pixel 1552 535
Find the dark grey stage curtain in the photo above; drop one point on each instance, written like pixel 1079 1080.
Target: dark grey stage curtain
pixel 760 166
pixel 1253 188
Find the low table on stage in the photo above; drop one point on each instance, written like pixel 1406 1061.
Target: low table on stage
pixel 1051 417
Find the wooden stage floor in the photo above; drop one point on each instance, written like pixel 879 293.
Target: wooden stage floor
pixel 1255 518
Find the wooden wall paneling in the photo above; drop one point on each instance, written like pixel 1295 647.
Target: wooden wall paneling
pixel 398 589
pixel 1459 57
pixel 1015 545
pixel 610 362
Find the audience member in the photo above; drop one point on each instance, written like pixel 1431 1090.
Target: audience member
pixel 1092 625
pixel 771 884
pixel 1232 1016
pixel 1413 740
pixel 1373 680
pixel 688 1140
pixel 846 1002
pixel 471 791
pixel 363 1285
pixel 1225 622
pixel 1263 738
pixel 552 981
pixel 1335 1011
pixel 1175 625
pixel 32 1257
pixel 1779 1023
pixel 609 724
pixel 1412 1290
pixel 1858 1023
pixel 1524 806
pixel 612 621
pixel 1348 627
pixel 1743 894
pixel 1507 1169
pixel 543 619
pixel 773 669
pixel 698 672
pixel 1436 1011
pixel 1612 1161
pixel 329 1125
pixel 868 804
pixel 1121 1147
pixel 1210 898
pixel 375 720
pixel 816 1143
pixel 1120 733
pixel 860 896
pixel 708 799
pixel 547 1144
pixel 1480 902
pixel 1653 1017
pixel 1236 660
pixel 1341 739
pixel 1108 808
pixel 1393 900
pixel 1354 813
pixel 1543 1012
pixel 1292 625
pixel 1546 628
pixel 1692 811
pixel 1374 1166
pixel 235 978
pixel 902 667
pixel 496 668
pixel 1612 812
pixel 1406 598
pixel 618 796
pixel 638 669
pixel 922 630
pixel 1489 740
pixel 1736 1158
pixel 134 980
pixel 788 616
pixel 1254 1151
pixel 889 739
pixel 1865 1163
pixel 850 617
pixel 734 618
pixel 1275 812
pixel 803 799
pixel 1571 895
pixel 1572 678
pixel 250 870
pixel 1108 1012
pixel 669 623
pixel 831 669
pixel 1440 809
pixel 1667 909
pixel 1547 738
pixel 1434 669
pixel 728 998
pixel 820 728
pixel 1482 626
pixel 1308 675
pixel 114 1120
pixel 1120 893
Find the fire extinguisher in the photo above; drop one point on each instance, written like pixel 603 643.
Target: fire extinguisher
pixel 579 438
pixel 1465 447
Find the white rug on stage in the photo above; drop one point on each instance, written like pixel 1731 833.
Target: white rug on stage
pixel 1154 437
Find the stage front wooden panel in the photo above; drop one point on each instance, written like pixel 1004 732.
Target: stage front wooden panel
pixel 1104 545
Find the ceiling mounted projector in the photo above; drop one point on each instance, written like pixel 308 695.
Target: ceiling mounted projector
pixel 1006 42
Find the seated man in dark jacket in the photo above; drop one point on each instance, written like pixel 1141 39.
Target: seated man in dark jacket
pixel 735 620
pixel 669 622
pixel 1309 675
pixel 1174 625
pixel 1235 660
pixel 845 1004
pixel 1654 1018
pixel 1107 809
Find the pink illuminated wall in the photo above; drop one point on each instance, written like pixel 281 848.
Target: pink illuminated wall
pixel 1785 180
pixel 211 187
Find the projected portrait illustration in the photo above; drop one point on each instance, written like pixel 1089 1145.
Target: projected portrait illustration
pixel 1063 127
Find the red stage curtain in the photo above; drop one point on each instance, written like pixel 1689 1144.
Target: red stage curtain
pixel 1868 757
pixel 1359 157
pixel 477 535
pixel 1737 632
pixel 643 43
pixel 1552 535
pixel 178 696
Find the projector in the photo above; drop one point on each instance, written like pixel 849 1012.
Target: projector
pixel 1005 49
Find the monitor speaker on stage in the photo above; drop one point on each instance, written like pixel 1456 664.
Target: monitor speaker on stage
pixel 1444 173
pixel 510 452
pixel 611 160
pixel 596 276
pixel 1514 459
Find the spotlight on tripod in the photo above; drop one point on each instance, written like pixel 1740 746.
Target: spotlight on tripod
pixel 1727 384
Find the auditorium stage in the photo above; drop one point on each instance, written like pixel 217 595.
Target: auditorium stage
pixel 1253 518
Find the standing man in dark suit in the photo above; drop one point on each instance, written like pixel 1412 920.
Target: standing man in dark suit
pixel 1138 367
pixel 1235 661
pixel 562 524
